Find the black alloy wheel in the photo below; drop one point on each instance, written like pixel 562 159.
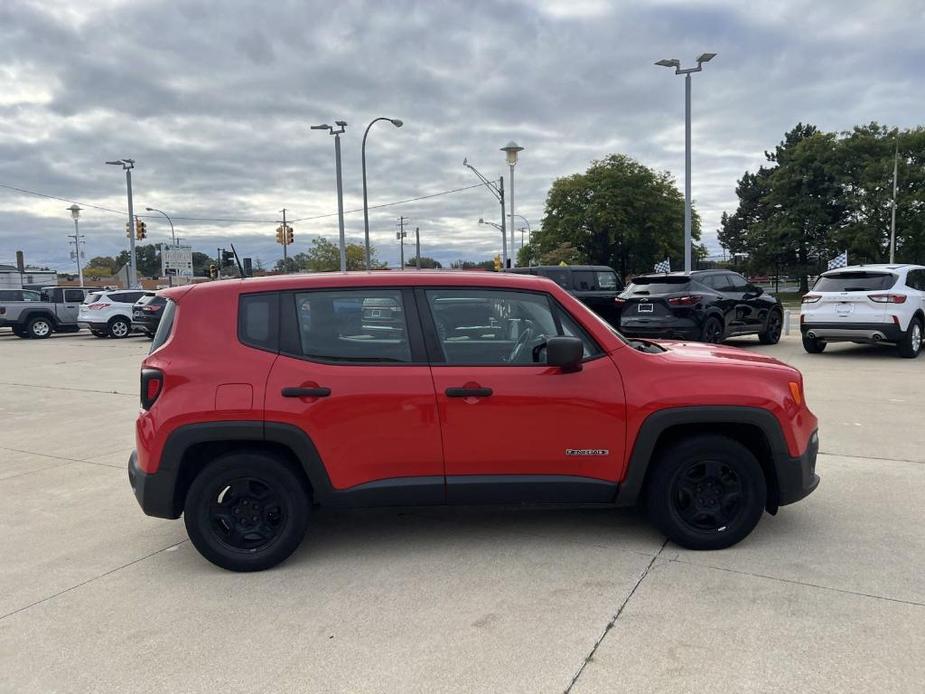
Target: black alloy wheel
pixel 772 332
pixel 246 513
pixel 712 331
pixel 707 496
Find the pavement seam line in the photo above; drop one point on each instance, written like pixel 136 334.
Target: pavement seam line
pixel 872 457
pixel 77 390
pixel 90 580
pixel 613 621
pixel 798 583
pixel 58 457
pixel 63 463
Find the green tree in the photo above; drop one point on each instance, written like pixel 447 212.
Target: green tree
pixel 426 263
pixel 473 264
pixel 618 213
pixel 324 256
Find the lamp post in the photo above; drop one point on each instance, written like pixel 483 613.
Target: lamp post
pixel 75 214
pixel 397 123
pixel 496 189
pixel 512 148
pixel 529 230
pixel 342 125
pixel 127 166
pixel 676 64
pixel 173 235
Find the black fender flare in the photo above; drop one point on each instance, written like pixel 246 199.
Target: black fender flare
pixel 661 421
pixel 29 314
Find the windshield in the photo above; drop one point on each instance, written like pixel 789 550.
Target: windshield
pixel 855 282
pixel 654 286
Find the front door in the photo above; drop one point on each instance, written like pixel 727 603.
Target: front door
pixel 502 410
pixel 352 375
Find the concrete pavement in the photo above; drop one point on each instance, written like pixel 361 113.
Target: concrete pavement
pixel 827 596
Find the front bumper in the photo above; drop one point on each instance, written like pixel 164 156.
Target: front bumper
pixel 155 491
pixel 853 332
pixel 796 477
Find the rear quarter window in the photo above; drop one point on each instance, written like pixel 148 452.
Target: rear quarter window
pixel 165 327
pixel 258 321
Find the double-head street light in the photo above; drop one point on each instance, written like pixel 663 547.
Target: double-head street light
pixel 397 123
pixel 127 165
pixel 498 227
pixel 496 189
pixel 678 70
pixel 75 214
pixel 173 235
pixel 341 125
pixel 511 149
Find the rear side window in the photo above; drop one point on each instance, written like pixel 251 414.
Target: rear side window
pixel 165 327
pixel 855 282
pixel 560 277
pixel 73 295
pixel 594 280
pixel 258 321
pixel 367 325
pixel 916 280
pixel 655 286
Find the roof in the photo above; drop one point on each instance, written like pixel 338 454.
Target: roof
pixel 525 269
pixel 333 280
pixel 875 266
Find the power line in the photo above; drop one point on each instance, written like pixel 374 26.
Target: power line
pixel 246 221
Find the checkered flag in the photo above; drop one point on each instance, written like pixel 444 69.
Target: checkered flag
pixel 664 266
pixel 841 260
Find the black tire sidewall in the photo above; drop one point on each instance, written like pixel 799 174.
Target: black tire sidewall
pixel 765 336
pixel 271 471
pixel 119 319
pixel 813 345
pixel 703 330
pixel 905 345
pixel 660 505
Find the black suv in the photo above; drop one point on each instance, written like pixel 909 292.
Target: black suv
pixel 704 305
pixel 596 286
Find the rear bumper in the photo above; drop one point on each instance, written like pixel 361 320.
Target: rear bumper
pixel 796 477
pixel 155 491
pixel 146 322
pixel 852 332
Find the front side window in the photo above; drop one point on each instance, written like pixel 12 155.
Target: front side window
pixel 367 325
pixel 498 327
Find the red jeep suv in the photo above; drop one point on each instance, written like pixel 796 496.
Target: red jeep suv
pixel 263 397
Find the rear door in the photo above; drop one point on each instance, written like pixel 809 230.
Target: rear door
pixel 597 289
pixel 503 412
pixel 352 374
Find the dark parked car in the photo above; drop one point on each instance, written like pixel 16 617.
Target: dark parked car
pixel 704 305
pixel 147 312
pixel 596 286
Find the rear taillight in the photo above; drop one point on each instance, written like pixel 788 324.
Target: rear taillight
pixel 152 383
pixel 887 298
pixel 811 298
pixel 688 300
pixel 619 301
pixel 98 307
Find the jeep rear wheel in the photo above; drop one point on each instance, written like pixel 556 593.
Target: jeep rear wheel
pixel 706 492
pixel 39 328
pixel 911 343
pixel 119 328
pixel 246 511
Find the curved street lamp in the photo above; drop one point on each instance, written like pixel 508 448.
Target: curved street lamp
pixel 397 123
pixel 173 234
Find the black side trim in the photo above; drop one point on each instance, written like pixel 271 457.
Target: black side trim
pixel 398 491
pixel 528 489
pixel 658 422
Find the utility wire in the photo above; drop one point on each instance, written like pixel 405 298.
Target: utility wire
pixel 246 221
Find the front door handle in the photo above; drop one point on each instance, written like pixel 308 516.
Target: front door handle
pixel 306 392
pixel 468 392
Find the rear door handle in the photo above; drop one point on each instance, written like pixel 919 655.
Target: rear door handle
pixel 468 392
pixel 306 392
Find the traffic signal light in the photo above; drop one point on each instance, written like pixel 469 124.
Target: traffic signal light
pixel 280 238
pixel 289 235
pixel 227 257
pixel 497 262
pixel 213 271
pixel 128 230
pixel 141 229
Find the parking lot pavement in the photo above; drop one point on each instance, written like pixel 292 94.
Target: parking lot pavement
pixel 829 595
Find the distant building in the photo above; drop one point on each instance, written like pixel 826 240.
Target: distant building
pixel 31 278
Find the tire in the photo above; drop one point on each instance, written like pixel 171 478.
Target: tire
pixel 911 343
pixel 228 517
pixel 712 331
pixel 97 333
pixel 119 328
pixel 20 332
pixel 706 492
pixel 772 330
pixel 39 328
pixel 813 345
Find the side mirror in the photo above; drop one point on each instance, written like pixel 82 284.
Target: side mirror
pixel 565 352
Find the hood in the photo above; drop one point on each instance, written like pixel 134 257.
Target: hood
pixel 703 353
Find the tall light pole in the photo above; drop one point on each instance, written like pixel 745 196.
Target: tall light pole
pixel 511 149
pixel 529 230
pixel 676 64
pixel 127 165
pixel 173 235
pixel 342 125
pixel 893 206
pixel 75 214
pixel 496 189
pixel 498 227
pixel 397 123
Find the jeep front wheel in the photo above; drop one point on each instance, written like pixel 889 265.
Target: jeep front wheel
pixel 39 328
pixel 246 511
pixel 706 492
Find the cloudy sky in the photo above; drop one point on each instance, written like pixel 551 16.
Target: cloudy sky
pixel 213 100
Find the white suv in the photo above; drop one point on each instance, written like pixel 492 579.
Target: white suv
pixel 866 304
pixel 109 313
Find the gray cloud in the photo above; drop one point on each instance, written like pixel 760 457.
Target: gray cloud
pixel 213 100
